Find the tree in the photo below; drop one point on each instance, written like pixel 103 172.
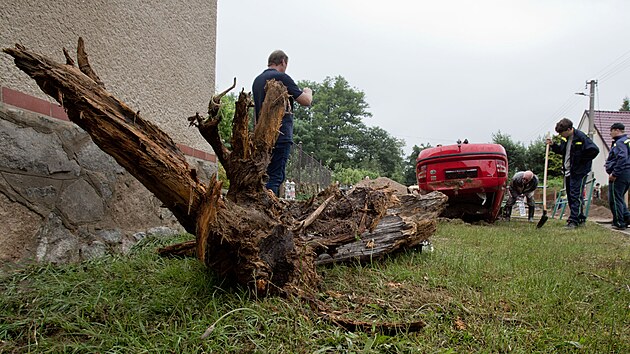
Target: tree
pixel 410 166
pixel 332 129
pixel 516 151
pixel 625 106
pixel 535 156
pixel 226 112
pixel 351 176
pixel 555 161
pixel 377 150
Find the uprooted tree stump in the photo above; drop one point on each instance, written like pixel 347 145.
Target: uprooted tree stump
pixel 249 237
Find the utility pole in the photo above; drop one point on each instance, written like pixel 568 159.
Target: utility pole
pixel 591 109
pixel 591 133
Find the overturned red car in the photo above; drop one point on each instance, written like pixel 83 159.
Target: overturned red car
pixel 473 176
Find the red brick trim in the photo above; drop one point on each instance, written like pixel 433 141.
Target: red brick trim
pixel 31 103
pixel 38 105
pixel 187 150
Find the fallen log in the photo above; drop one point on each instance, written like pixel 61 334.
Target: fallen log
pixel 249 237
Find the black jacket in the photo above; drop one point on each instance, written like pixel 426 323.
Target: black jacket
pixel 618 161
pixel 583 151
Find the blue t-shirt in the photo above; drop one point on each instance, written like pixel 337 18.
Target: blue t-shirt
pixel 258 89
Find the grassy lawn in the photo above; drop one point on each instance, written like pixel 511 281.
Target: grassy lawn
pixel 506 287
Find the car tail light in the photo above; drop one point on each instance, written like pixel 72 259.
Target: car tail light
pixel 421 174
pixel 501 168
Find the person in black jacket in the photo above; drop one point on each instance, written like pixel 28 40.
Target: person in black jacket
pixel 618 169
pixel 578 152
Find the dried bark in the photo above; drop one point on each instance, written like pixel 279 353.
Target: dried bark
pixel 249 237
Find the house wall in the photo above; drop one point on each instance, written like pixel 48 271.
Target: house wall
pixel 598 163
pixel 156 56
pixel 61 198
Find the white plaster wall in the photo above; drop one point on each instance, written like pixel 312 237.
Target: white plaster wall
pixel 598 163
pixel 156 56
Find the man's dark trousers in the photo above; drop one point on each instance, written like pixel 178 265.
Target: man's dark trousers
pixel 616 193
pixel 276 169
pixel 575 188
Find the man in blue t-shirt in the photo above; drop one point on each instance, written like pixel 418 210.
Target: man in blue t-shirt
pixel 277 65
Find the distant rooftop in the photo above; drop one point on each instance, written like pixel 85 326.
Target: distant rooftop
pixel 604 119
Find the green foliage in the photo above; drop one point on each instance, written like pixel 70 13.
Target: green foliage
pixel 516 152
pixel 531 157
pixel 507 287
pixel 350 176
pixel 223 176
pixel 226 112
pixel 555 161
pixel 555 183
pixel 625 106
pixel 333 130
pixel 331 127
pixel 535 157
pixel 378 151
pixel 410 166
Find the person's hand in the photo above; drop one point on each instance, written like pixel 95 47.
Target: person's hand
pixel 611 178
pixel 548 141
pixel 307 90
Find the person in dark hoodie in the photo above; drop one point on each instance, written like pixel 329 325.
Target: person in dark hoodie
pixel 578 152
pixel 618 169
pixel 523 183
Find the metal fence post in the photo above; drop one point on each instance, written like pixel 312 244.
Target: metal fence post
pixel 299 165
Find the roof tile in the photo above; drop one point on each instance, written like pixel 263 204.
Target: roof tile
pixel 604 119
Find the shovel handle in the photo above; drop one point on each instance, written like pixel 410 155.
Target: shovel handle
pixel 545 178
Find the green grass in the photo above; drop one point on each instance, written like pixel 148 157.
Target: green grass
pixel 506 287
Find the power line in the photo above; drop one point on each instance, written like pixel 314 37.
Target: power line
pixel 613 68
pixel 602 71
pixel 616 69
pixel 569 104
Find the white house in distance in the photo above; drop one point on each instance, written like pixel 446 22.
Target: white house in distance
pixel 602 122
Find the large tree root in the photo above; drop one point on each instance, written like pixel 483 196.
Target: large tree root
pixel 249 237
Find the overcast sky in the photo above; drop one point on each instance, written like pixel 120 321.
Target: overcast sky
pixel 435 71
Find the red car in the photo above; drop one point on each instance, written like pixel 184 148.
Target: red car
pixel 473 176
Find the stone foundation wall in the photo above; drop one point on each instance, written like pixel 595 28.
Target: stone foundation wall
pixel 64 200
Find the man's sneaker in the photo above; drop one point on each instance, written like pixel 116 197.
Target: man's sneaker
pixel 618 227
pixel 571 226
pixel 627 219
pixel 530 219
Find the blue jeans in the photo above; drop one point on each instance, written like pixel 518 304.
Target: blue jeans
pixel 276 169
pixel 616 192
pixel 575 188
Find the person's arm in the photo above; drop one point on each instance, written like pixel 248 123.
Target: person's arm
pixel 306 98
pixel 621 157
pixel 556 148
pixel 531 186
pixel 517 184
pixel 590 150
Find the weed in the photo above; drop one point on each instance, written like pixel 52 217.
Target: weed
pixel 507 287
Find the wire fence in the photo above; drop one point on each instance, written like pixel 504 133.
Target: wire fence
pixel 308 174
